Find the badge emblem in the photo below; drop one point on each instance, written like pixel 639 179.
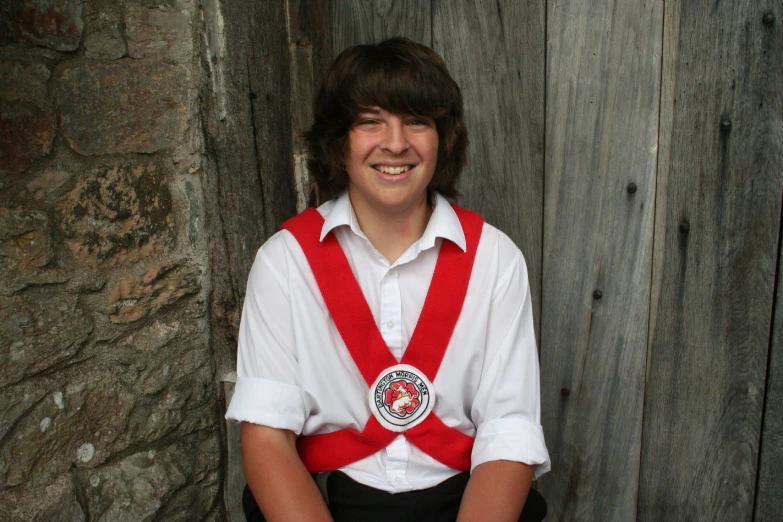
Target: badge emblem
pixel 401 397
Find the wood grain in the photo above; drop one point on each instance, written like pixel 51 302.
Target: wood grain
pixel 234 480
pixel 309 28
pixel 249 152
pixel 357 22
pixel 602 101
pixel 247 175
pixel 716 241
pixel 268 69
pixel 251 144
pixel 503 91
pixel 769 490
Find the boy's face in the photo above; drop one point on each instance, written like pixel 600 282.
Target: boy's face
pixel 391 159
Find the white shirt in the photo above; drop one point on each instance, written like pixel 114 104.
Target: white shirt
pixel 294 371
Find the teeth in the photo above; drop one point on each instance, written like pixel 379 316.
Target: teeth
pixel 393 170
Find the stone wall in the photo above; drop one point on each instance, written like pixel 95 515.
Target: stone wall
pixel 108 404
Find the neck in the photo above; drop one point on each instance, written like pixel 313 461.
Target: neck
pixel 391 233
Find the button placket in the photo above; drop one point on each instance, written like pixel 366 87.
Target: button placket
pixel 397 463
pixel 391 313
pixel 391 321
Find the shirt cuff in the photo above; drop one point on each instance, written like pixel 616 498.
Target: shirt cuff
pixel 514 439
pixel 268 403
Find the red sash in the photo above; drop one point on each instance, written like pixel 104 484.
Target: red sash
pixel 353 318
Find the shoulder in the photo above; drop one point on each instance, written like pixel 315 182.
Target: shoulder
pixel 497 245
pixel 283 243
pixel 282 252
pixel 277 248
pixel 500 261
pixel 493 244
pixel 277 259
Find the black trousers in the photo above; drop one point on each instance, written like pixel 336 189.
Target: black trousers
pixel 350 501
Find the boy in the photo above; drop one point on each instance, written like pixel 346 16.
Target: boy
pixel 387 339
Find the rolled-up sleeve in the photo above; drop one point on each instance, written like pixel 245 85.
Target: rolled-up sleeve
pixel 267 391
pixel 506 409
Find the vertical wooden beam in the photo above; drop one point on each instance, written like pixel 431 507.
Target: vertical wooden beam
pixel 716 241
pixel 502 82
pixel 309 29
pixel 602 100
pixel 362 21
pixel 234 480
pixel 269 69
pixel 247 127
pixel 769 491
pixel 248 166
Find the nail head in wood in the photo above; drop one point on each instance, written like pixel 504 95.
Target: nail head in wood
pixel 565 392
pixel 768 18
pixel 632 187
pixel 597 294
pixel 725 125
pixel 685 227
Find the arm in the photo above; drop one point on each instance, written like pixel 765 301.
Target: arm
pixel 509 447
pixel 279 481
pixel 268 398
pixel 505 482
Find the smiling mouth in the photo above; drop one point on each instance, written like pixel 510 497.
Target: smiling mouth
pixel 392 170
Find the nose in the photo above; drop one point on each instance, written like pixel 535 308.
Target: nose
pixel 395 140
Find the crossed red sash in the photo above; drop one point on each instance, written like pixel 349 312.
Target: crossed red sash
pixel 354 320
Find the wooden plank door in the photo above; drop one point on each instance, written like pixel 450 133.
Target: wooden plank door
pixel 309 30
pixel 716 243
pixel 363 22
pixel 602 98
pixel 495 52
pixel 769 489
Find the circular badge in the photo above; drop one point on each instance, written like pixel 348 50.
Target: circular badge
pixel 401 397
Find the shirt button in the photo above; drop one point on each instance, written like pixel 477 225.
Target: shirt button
pixel 390 324
pixel 397 480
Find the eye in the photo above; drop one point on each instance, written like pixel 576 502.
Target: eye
pixel 366 121
pixel 420 122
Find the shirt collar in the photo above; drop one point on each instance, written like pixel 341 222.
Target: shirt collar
pixel 443 222
pixel 341 213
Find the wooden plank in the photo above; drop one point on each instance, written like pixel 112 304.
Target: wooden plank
pixel 248 164
pixel 238 221
pixel 602 100
pixel 503 91
pixel 229 164
pixel 769 491
pixel 716 240
pixel 234 480
pixel 370 21
pixel 309 30
pixel 247 128
pixel 268 70
pixel 248 170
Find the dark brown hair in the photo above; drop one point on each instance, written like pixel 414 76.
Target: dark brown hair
pixel 399 76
